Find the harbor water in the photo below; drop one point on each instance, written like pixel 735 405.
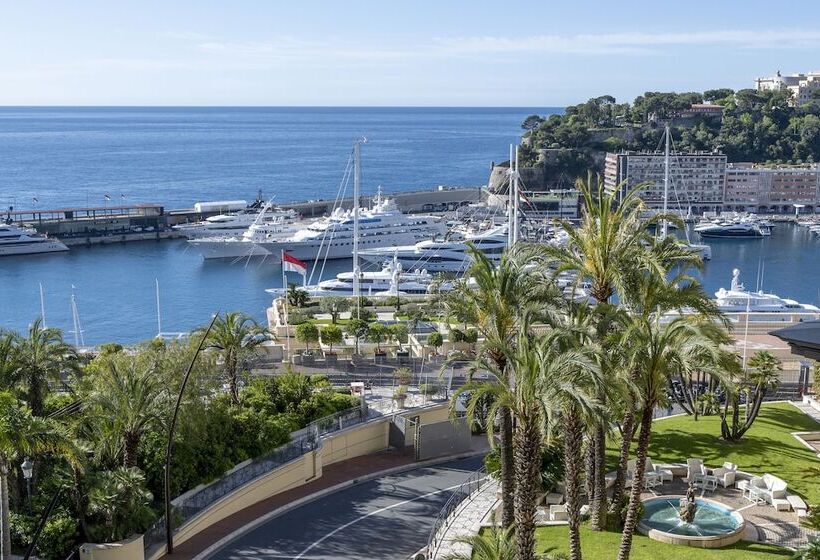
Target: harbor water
pixel 179 156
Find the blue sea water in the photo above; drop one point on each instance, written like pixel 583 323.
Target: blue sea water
pixel 177 156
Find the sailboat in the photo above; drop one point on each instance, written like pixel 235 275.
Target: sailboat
pixel 701 249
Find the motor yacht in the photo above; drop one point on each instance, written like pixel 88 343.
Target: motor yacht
pixel 738 300
pixel 739 230
pixel 15 240
pixel 235 225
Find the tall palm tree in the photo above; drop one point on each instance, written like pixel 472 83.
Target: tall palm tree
pixel 611 244
pixel 8 358
pixel 23 434
pixel 495 302
pixel 41 357
pixel 127 398
pixel 233 334
pixel 661 350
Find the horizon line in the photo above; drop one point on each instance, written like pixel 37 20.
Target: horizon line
pixel 159 106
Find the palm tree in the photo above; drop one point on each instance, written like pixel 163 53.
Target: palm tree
pixel 495 303
pixel 8 358
pixel 660 351
pixel 764 375
pixel 809 551
pixel 493 543
pixel 41 357
pixel 128 398
pixel 232 335
pixel 612 244
pixel 23 434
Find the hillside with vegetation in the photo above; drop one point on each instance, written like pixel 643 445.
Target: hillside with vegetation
pixel 756 126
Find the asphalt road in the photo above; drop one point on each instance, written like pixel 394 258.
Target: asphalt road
pixel 388 518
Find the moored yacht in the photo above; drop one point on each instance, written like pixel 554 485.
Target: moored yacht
pixel 448 254
pixel 15 240
pixel 234 225
pixel 738 300
pixel 382 225
pixel 739 230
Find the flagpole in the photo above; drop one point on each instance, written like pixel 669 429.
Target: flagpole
pixel 285 292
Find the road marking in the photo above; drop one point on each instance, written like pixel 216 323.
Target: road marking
pixel 375 512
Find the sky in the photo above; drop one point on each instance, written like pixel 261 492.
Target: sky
pixel 386 52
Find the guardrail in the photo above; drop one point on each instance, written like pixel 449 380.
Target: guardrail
pixel 193 502
pixel 467 488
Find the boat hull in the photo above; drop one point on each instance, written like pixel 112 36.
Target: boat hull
pixel 35 248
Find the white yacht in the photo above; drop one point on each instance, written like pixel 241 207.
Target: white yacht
pixel 15 240
pixel 391 280
pixel 739 230
pixel 266 227
pixel 738 300
pixel 383 225
pixel 448 254
pixel 233 225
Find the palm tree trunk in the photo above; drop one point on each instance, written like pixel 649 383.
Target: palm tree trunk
pixel 589 463
pixel 527 451
pixel 573 463
pixel 599 505
pixel 631 522
pixel 130 444
pixel 5 520
pixel 233 384
pixel 628 430
pixel 35 395
pixel 507 468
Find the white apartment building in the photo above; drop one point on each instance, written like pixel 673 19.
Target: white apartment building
pixel 801 86
pixel 697 180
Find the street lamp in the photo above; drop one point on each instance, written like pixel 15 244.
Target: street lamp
pixel 28 471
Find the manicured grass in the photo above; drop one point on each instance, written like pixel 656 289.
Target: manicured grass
pixel 767 447
pixel 604 546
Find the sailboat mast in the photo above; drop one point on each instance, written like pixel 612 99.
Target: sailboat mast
pixel 516 201
pixel 159 311
pixel 42 306
pixel 511 202
pixel 665 227
pixel 357 180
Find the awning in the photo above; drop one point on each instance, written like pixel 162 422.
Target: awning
pixel 803 338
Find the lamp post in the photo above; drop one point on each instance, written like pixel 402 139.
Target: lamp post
pixel 28 471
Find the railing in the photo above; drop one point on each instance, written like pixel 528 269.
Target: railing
pixel 467 488
pixel 190 504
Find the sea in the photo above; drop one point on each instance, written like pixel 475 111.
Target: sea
pixel 60 157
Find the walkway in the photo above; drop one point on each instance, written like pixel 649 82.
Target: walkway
pixel 466 521
pixel 388 518
pixel 808 410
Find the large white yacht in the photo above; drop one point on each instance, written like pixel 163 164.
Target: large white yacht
pixel 234 225
pixel 391 280
pixel 15 240
pixel 448 254
pixel 738 300
pixel 382 225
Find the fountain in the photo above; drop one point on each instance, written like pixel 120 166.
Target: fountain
pixel 686 520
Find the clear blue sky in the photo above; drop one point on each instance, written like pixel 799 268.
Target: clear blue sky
pixel 386 52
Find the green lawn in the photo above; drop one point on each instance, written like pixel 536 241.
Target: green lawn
pixel 767 447
pixel 602 546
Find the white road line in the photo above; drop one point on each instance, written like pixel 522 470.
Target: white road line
pixel 375 512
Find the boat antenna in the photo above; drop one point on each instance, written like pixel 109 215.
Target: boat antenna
pixel 75 316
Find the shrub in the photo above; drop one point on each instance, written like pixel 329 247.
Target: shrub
pixel 400 333
pixel 456 335
pixel 471 336
pixel 400 392
pixel 307 333
pixel 429 389
pixel 110 348
pixel 435 340
pixel 296 319
pixel 57 538
pixel 403 375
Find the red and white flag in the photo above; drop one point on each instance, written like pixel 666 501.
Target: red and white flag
pixel 292 264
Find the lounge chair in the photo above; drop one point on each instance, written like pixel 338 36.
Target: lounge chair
pixel 664 474
pixel 769 487
pixel 725 474
pixel 694 470
pixel 650 478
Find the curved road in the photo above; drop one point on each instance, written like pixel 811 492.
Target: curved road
pixel 388 518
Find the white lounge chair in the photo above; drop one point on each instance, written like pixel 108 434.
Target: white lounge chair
pixel 558 513
pixel 725 474
pixel 650 478
pixel 769 487
pixel 694 470
pixel 664 474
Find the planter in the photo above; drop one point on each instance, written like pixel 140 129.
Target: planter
pixel 308 359
pixel 400 401
pixel 331 359
pixel 403 356
pixel 380 357
pixel 296 359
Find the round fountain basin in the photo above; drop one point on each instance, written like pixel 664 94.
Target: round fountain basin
pixel 714 526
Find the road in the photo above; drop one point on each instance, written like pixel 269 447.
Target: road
pixel 388 519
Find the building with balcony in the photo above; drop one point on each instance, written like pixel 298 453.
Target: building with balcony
pixel 803 87
pixel 753 188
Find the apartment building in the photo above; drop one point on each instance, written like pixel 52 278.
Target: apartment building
pixel 697 180
pixel 801 86
pixel 753 188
